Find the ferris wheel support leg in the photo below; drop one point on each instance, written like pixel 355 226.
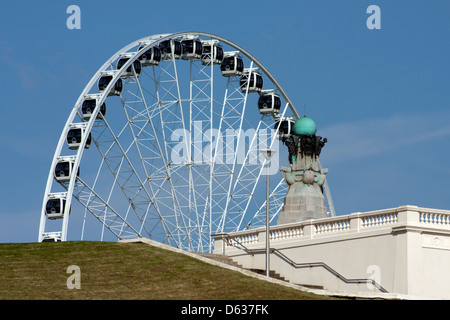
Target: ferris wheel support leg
pixel 329 199
pixel 326 189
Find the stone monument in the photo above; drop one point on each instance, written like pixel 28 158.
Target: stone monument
pixel 304 199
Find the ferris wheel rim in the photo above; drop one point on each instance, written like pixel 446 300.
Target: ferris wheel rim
pixel 150 41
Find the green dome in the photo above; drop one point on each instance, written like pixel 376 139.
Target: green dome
pixel 304 125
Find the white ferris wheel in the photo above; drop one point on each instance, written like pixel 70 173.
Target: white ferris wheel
pixel 164 143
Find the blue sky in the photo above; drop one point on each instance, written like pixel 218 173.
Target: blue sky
pixel 381 97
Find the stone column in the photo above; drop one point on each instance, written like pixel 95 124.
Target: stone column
pixel 304 199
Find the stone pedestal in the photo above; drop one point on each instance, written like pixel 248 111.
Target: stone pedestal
pixel 304 199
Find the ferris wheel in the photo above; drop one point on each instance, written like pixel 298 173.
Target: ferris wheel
pixel 164 143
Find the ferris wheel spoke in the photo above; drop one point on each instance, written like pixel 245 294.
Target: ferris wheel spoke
pixel 275 205
pixel 230 195
pixel 103 211
pixel 222 172
pixel 179 217
pixel 148 203
pixel 272 138
pixel 203 115
pixel 198 82
pixel 124 173
pixel 171 119
pixel 142 145
pixel 140 141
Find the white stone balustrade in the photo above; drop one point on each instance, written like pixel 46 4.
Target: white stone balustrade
pixel 355 222
pixel 286 233
pixel 434 217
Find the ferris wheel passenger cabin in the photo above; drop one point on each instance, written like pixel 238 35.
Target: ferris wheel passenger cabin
pixel 88 106
pixel 212 51
pixel 192 48
pixel 63 170
pixel 269 103
pixel 232 64
pixel 51 236
pixel 74 137
pixel 55 205
pixel 170 49
pixel 254 85
pixel 151 57
pixel 129 73
pixel 284 127
pixel 104 81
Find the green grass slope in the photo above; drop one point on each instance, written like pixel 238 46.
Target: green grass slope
pixel 114 270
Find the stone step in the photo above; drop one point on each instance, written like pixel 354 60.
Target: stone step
pixel 220 258
pixel 272 274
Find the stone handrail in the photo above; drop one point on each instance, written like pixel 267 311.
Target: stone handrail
pixel 353 223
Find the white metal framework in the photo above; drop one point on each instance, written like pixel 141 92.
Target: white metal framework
pixel 174 155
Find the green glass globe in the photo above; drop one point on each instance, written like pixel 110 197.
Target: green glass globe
pixel 304 125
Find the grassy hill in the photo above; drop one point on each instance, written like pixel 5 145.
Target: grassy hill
pixel 114 270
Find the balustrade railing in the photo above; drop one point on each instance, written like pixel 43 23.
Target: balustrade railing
pixel 332 226
pixel 352 223
pixel 434 218
pixel 379 219
pixel 286 233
